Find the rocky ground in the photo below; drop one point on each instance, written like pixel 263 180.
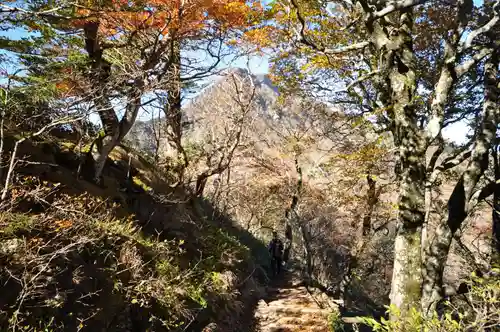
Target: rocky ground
pixel 291 307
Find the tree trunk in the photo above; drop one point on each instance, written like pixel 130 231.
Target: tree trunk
pixel 397 64
pixel 2 138
pixel 287 252
pixel 495 238
pixel 406 278
pixel 400 64
pixel 372 198
pixel 406 275
pixel 428 208
pixel 201 182
pixel 459 203
pixel 104 146
pixel 114 131
pixel 291 215
pixel 306 239
pixel 173 110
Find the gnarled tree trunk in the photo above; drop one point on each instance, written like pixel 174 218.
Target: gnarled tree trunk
pixel 495 238
pixel 463 197
pixel 114 130
pixel 173 111
pixel 399 64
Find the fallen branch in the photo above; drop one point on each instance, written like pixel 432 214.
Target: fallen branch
pixel 13 158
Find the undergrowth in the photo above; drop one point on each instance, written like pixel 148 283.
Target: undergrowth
pixel 75 265
pixel 476 310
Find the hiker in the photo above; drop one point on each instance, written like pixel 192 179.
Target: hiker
pixel 276 250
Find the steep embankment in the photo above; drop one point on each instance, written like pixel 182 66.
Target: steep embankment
pixel 78 257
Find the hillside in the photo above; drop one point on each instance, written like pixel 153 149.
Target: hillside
pixel 75 256
pixel 273 124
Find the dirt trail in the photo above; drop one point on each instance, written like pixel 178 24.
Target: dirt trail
pixel 289 307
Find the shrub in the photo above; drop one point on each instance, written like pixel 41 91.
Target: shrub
pixel 76 265
pixel 335 322
pixel 478 311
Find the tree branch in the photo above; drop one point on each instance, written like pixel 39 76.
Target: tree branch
pixel 464 67
pixel 45 13
pixel 358 81
pixel 394 6
pixel 454 161
pixel 302 38
pixel 450 73
pixel 467 43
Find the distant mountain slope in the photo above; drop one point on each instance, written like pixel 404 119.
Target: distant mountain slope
pixel 268 122
pixel 197 111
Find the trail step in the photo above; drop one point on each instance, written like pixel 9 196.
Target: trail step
pixel 293 311
pixel 296 301
pixel 291 307
pixel 282 307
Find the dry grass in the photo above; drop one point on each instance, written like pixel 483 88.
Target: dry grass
pixel 71 261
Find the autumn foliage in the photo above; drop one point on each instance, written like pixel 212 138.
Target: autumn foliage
pixel 184 19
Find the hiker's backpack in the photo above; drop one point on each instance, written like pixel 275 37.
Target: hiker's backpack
pixel 278 249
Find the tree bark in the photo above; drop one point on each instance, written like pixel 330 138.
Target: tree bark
pixel 173 111
pixel 495 238
pixel 460 199
pixel 431 176
pixel 400 64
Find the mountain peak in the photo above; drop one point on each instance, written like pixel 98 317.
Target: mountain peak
pixel 258 79
pixel 235 71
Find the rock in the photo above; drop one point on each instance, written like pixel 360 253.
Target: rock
pixel 9 247
pixel 212 327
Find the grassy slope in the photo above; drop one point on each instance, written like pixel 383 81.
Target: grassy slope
pixel 74 256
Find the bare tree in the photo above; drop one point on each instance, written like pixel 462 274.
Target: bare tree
pixel 227 119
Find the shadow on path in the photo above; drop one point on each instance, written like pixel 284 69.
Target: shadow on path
pixel 289 307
